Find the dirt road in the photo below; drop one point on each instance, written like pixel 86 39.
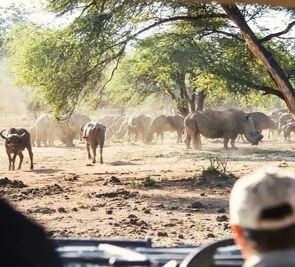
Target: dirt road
pixel 73 198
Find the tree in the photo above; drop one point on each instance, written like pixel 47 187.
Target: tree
pixel 98 38
pixel 255 45
pixel 168 63
pixel 217 67
pixel 10 16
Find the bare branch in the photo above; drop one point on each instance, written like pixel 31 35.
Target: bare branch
pixel 266 89
pixel 278 34
pixel 229 34
pixel 98 100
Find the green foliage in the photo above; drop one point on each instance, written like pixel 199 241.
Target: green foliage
pixel 59 65
pixel 215 173
pixel 10 16
pixel 75 64
pixel 198 179
pixel 166 63
pixel 148 181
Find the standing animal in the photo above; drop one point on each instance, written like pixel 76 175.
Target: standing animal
pixel 70 125
pixel 164 123
pixel 16 140
pixel 75 121
pixel 262 121
pixel 123 123
pixel 284 119
pixel 116 127
pixel 93 134
pixel 45 130
pixel 107 120
pixel 288 128
pixel 275 114
pixel 225 124
pixel 138 125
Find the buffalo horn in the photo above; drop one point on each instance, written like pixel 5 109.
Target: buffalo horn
pixel 1 134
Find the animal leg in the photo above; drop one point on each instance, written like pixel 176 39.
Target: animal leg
pixel 162 137
pixel 88 150
pixel 93 147
pixel 9 159
pixel 45 138
pixel 100 151
pixel 179 133
pixel 21 158
pixel 31 157
pixel 187 141
pixel 198 143
pixel 225 143
pixel 270 132
pixel 178 138
pixel 13 161
pixel 232 142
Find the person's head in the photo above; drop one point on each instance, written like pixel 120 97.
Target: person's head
pixel 23 242
pixel 262 211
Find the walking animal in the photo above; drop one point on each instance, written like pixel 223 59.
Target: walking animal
pixel 93 134
pixel 16 141
pixel 262 121
pixel 225 124
pixel 164 123
pixel 288 129
pixel 138 125
pixel 284 119
pixel 46 130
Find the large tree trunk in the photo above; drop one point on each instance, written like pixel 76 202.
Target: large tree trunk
pixel 201 100
pixel 179 79
pixel 259 51
pixel 181 104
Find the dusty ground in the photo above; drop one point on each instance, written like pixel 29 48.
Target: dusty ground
pixel 72 198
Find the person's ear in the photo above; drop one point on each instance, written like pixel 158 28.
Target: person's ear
pixel 240 240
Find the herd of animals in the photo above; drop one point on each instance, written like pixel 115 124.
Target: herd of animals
pixel 227 124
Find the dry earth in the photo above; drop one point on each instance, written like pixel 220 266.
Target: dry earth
pixel 73 198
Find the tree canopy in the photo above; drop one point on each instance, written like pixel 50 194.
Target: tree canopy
pixel 204 50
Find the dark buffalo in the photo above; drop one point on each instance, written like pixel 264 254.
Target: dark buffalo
pixel 93 134
pixel 16 141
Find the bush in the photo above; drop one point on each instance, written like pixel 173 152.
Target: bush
pixel 215 173
pixel 148 181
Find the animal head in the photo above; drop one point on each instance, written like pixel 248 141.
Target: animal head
pixel 13 140
pixel 251 134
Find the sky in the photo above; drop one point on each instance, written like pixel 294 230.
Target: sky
pixel 41 17
pixel 31 3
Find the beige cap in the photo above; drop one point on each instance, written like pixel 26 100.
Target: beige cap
pixel 265 189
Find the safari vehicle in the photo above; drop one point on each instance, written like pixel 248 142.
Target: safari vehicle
pixel 141 252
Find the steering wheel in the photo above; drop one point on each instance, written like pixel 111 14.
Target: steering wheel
pixel 205 256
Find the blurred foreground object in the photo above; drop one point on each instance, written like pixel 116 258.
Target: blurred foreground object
pixel 23 243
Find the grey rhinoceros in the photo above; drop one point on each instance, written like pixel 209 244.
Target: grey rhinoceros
pixel 225 124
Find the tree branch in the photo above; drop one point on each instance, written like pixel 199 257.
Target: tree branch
pixel 266 89
pixel 229 34
pixel 277 34
pixel 163 21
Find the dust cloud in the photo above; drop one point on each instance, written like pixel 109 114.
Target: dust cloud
pixel 12 100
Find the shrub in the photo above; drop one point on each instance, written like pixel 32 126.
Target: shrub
pixel 215 173
pixel 148 181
